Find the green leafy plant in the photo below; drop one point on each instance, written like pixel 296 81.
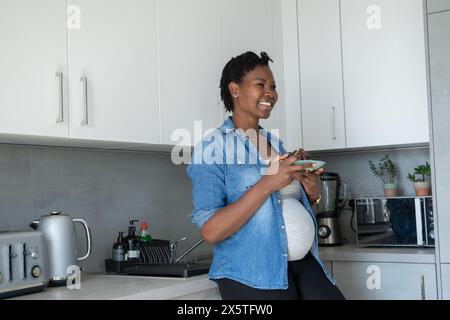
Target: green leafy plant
pixel 386 169
pixel 421 170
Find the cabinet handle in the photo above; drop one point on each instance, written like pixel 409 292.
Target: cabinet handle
pixel 60 117
pixel 84 122
pixel 333 123
pixel 422 287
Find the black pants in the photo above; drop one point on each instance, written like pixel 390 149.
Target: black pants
pixel 307 281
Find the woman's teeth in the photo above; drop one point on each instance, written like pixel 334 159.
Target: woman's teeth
pixel 268 104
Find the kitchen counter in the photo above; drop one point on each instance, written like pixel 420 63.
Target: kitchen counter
pixel 351 252
pixel 123 287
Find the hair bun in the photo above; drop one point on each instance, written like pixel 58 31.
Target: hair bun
pixel 265 56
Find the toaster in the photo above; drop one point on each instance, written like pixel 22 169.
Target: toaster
pixel 23 263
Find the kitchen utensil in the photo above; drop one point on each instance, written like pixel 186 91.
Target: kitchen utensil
pixel 60 238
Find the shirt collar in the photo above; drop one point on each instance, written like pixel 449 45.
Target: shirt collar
pixel 228 126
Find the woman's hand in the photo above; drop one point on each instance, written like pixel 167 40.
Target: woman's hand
pixel 300 154
pixel 281 172
pixel 310 182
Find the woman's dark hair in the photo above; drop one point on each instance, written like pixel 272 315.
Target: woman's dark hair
pixel 236 69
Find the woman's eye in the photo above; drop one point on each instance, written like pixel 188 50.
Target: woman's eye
pixel 260 85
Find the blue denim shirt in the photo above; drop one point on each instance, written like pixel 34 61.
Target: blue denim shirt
pixel 224 166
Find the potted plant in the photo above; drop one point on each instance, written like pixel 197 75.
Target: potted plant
pixel 421 186
pixel 386 171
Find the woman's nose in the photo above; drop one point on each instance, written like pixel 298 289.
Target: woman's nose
pixel 269 94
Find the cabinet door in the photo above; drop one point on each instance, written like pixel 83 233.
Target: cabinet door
pixel 445 275
pixel 33 49
pixel 113 71
pixel 385 281
pixel 385 89
pixel 321 74
pixel 437 5
pixel 248 26
pixel 439 48
pixel 190 65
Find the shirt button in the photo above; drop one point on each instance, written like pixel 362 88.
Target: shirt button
pixel 282 227
pixel 285 255
pixel 279 201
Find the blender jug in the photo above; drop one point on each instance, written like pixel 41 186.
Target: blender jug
pixel 330 190
pixel 327 210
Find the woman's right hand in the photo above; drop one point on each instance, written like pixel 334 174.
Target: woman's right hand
pixel 281 172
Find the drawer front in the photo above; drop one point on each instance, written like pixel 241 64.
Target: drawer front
pixel 386 281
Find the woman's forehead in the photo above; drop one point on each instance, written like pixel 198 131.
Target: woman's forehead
pixel 260 73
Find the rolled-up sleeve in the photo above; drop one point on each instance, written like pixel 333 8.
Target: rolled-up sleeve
pixel 208 190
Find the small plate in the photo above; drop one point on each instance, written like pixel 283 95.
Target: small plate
pixel 319 164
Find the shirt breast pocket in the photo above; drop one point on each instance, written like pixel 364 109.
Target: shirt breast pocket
pixel 241 177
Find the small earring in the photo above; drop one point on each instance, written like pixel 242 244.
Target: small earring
pixel 235 95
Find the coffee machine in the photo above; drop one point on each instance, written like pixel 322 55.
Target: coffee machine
pixel 328 209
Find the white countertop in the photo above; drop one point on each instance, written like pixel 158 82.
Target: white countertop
pixel 351 252
pixel 114 287
pixel 124 287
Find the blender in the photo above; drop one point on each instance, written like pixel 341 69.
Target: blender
pixel 328 209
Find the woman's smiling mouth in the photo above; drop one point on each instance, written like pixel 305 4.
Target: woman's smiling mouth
pixel 265 105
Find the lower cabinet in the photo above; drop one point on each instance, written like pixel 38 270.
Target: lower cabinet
pixel 445 276
pixel 385 281
pixel 327 265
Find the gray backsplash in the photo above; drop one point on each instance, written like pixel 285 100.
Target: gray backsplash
pixel 107 188
pixel 353 167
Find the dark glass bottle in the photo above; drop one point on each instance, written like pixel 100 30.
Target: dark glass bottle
pixel 133 242
pixel 120 248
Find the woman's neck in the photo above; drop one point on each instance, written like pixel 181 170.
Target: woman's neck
pixel 245 123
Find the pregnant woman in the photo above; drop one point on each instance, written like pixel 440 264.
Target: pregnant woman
pixel 251 202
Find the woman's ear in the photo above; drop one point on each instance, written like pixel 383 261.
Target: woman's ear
pixel 233 87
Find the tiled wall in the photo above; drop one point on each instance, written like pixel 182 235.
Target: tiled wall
pixel 104 187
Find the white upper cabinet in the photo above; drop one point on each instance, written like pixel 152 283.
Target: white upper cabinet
pixel 322 101
pixel 114 71
pixel 33 68
pixel 249 26
pixel 384 63
pixel 190 62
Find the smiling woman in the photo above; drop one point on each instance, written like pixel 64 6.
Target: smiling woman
pixel 258 215
pixel 248 82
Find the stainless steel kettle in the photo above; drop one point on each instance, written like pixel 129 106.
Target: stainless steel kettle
pixel 59 233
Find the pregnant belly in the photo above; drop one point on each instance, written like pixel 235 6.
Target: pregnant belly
pixel 299 228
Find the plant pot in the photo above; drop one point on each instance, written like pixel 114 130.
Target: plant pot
pixel 422 188
pixel 390 189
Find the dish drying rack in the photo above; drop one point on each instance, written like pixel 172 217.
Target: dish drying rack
pixel 160 258
pixel 163 251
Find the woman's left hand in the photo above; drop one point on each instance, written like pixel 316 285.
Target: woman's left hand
pixel 310 182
